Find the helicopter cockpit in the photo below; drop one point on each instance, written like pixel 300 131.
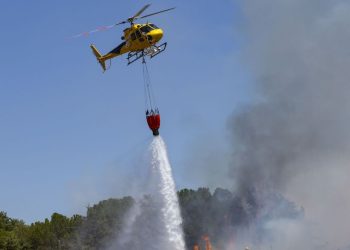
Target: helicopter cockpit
pixel 148 27
pixel 141 30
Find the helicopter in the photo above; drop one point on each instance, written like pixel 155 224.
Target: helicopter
pixel 139 40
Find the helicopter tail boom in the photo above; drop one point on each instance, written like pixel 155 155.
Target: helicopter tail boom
pixel 98 56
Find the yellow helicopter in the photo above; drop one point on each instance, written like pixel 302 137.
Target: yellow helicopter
pixel 140 40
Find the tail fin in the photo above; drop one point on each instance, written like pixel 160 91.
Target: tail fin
pixel 98 56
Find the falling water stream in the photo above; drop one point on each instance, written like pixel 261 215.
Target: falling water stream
pixel 154 222
pixel 170 210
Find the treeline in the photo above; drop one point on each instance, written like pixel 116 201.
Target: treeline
pixel 204 213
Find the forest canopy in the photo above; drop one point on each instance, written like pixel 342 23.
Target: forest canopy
pixel 219 215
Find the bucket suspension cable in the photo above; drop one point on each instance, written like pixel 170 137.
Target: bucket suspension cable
pixel 150 101
pixel 146 95
pixel 146 80
pixel 152 112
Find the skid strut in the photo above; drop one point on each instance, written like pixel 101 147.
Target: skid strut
pixel 151 52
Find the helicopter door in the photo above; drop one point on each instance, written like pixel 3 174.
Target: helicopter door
pixel 139 36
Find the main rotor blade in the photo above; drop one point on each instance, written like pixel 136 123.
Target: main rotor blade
pixel 140 11
pixel 155 13
pixel 122 22
pixel 129 20
pixel 87 33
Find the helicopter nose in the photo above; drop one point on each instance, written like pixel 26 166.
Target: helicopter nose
pixel 156 34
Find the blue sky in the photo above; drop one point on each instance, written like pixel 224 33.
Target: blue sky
pixel 67 130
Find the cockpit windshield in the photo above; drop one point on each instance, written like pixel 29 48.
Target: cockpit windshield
pixel 146 29
pixel 153 26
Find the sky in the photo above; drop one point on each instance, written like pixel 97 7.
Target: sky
pixel 71 135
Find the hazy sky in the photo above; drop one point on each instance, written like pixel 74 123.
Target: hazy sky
pixel 69 134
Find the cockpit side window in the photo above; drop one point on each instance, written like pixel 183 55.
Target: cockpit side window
pixel 138 34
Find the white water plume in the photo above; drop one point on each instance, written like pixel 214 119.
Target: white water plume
pixel 154 222
pixel 170 210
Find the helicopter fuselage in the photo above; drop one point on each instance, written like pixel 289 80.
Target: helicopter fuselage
pixel 136 38
pixel 141 36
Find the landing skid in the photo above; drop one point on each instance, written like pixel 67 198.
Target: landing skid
pixel 151 52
